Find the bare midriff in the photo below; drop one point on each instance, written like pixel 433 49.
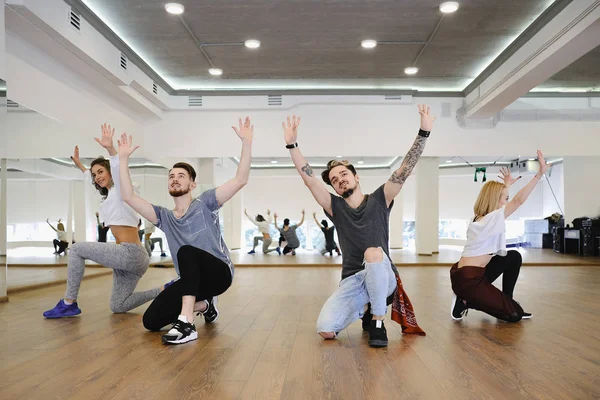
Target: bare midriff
pixel 478 261
pixel 125 234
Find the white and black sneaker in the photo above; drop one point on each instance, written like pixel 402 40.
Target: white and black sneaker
pixel 459 309
pixel 526 315
pixel 211 314
pixel 181 332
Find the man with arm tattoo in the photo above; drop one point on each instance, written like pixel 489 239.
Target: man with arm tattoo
pixel 362 220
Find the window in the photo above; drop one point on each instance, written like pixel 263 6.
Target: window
pixel 408 234
pixel 453 229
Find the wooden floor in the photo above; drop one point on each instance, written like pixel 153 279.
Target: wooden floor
pixel 264 345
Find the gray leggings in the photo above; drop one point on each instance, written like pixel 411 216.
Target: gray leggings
pixel 149 244
pixel 266 244
pixel 129 262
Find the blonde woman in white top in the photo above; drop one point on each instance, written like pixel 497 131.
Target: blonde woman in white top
pixel 485 258
pixel 264 225
pixel 60 243
pixel 127 257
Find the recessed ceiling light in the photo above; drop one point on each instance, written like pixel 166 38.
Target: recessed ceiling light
pixel 252 43
pixel 411 70
pixel 361 162
pixel 448 7
pixel 274 161
pixel 215 71
pixel 448 161
pixel 369 43
pixel 338 156
pixel 174 8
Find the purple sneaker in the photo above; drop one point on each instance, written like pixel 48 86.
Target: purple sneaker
pixel 63 310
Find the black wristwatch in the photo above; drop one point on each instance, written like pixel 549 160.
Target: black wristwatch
pixel 291 146
pixel 423 133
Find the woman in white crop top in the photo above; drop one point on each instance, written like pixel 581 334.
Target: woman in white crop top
pixel 485 258
pixel 127 257
pixel 264 226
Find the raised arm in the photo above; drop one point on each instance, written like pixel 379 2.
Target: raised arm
pixel 316 187
pixel 227 190
pixel 275 221
pixel 524 193
pixel 394 184
pixel 317 221
pixel 53 228
pixel 250 218
pixel 106 140
pixel 77 161
pixel 302 220
pixel 140 205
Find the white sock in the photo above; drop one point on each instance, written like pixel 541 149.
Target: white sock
pixel 183 318
pixel 378 323
pixel 67 302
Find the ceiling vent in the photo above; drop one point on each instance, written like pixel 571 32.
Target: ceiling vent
pixel 11 104
pixel 74 20
pixel 195 101
pixel 124 61
pixel 154 88
pixel 393 97
pixel 275 100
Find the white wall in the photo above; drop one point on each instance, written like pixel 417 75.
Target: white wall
pixel 582 190
pixel 2 44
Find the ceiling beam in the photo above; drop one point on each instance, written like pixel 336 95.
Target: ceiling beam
pixel 571 33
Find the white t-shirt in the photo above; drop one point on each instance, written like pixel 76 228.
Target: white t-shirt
pixel 113 210
pixel 148 227
pixel 61 235
pixel 487 236
pixel 263 226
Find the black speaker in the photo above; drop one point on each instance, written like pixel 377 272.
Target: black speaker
pixel 588 240
pixel 558 244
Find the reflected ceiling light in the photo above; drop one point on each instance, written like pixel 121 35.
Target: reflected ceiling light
pixel 274 161
pixel 361 162
pixel 411 70
pixel 448 161
pixel 338 156
pixel 252 43
pixel 215 71
pixel 174 8
pixel 448 7
pixel 369 43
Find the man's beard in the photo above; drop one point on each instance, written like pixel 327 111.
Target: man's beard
pixel 179 192
pixel 347 193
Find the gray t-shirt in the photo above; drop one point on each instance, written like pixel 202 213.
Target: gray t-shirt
pixel 361 228
pixel 291 237
pixel 199 227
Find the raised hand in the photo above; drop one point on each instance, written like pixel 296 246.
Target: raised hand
pixel 126 147
pixel 426 118
pixel 315 215
pixel 507 178
pixel 543 165
pixel 268 212
pixel 290 129
pixel 275 215
pixel 106 140
pixel 245 131
pixel 303 211
pixel 75 156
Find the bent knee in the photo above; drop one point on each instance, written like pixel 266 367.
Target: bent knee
pixel 373 255
pixel 516 257
pixel 118 309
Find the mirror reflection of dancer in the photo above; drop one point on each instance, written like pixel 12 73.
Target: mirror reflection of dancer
pixel 102 229
pixel 485 258
pixel 328 231
pixel 60 243
pixel 193 233
pixel 289 234
pixel 126 257
pixel 263 224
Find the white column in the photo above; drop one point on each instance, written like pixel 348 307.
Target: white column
pixel 582 187
pixel 397 223
pixel 79 217
pixel 69 220
pixel 232 221
pixel 427 206
pixel 3 198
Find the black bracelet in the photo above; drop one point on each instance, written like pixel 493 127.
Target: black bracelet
pixel 423 133
pixel 291 146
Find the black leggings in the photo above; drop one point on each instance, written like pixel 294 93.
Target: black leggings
pixel 60 246
pixel 288 249
pixel 201 274
pixel 507 266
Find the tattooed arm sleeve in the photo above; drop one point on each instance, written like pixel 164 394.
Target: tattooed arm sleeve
pixel 316 187
pixel 394 184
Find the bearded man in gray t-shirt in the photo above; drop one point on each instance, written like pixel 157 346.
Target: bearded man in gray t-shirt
pixel 362 221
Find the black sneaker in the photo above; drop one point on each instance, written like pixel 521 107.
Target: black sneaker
pixel 377 334
pixel 526 315
pixel 367 318
pixel 181 332
pixel 459 308
pixel 211 314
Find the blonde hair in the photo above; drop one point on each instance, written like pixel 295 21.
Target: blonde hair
pixel 60 226
pixel 488 198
